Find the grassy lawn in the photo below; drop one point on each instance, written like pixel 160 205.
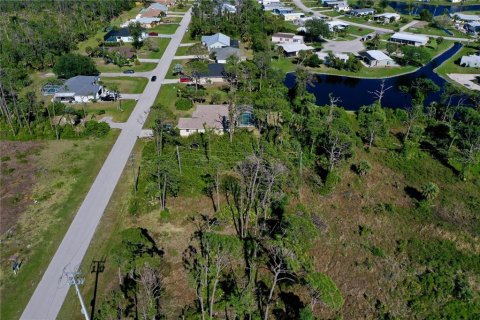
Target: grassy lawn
pixel 332 13
pixel 165 28
pixel 437 32
pixel 98 110
pixel 145 66
pixel 59 190
pixel 178 9
pixel 170 69
pixel 452 66
pixel 161 44
pixel 126 84
pixel 284 64
pixel 347 37
pixel 359 31
pixel 187 39
pixel 391 26
pixel 185 51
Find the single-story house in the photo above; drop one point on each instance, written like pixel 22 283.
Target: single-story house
pixel 376 58
pixel 325 56
pixel 124 51
pixel 167 3
pixel 218 40
pixel 215 73
pixel 472 61
pixel 272 6
pixel 150 13
pixel 472 27
pixel 282 37
pixel 282 10
pixel 213 117
pixel 267 2
pixel 409 38
pixel 292 49
pixel 222 54
pixel 293 16
pixel 362 12
pixel 79 89
pixel 465 17
pixel 147 22
pixel 158 6
pixel 121 35
pixel 229 8
pixel 387 17
pixel 333 4
pixel 456 1
pixel 342 7
pixel 336 25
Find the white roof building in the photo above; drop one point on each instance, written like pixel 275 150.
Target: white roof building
pixel 218 40
pixel 387 17
pixel 409 38
pixel 472 61
pixel 292 49
pixel 465 17
pixel 377 58
pixel 292 16
pixel 325 56
pixel 282 37
pixel 336 25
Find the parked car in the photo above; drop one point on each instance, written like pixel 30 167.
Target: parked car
pixel 154 78
pixel 185 79
pixel 129 71
pixel 153 34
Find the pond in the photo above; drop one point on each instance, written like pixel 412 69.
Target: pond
pixel 436 10
pixel 356 92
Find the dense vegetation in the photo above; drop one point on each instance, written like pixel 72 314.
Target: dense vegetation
pixel 253 256
pixel 34 35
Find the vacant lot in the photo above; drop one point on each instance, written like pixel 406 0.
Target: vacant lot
pixel 61 175
pixel 118 110
pixel 126 84
pixel 110 67
pixel 165 28
pixel 159 43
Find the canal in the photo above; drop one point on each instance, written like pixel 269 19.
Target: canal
pixel 356 92
pixel 415 7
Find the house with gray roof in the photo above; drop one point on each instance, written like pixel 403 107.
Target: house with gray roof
pixel 377 58
pixel 362 12
pixel 217 40
pixel 222 54
pixel 79 89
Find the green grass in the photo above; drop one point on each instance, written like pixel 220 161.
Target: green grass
pixel 332 14
pixel 111 109
pixel 185 51
pixel 437 32
pixel 161 44
pixel 359 31
pixel 45 223
pixel 145 66
pixel 126 84
pixel 170 69
pixel 165 28
pixel 391 26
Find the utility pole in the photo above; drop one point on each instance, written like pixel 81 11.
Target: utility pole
pixel 179 162
pixel 74 278
pixel 301 174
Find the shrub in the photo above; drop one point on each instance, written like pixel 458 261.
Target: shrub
pixel 183 104
pixel 430 191
pixel 363 167
pixel 96 129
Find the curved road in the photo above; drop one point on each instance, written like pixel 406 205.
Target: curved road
pixel 50 292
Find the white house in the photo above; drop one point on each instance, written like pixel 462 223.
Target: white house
pixel 336 25
pixel 376 58
pixel 465 17
pixel 281 37
pixel 472 61
pixel 325 56
pixel 79 89
pixel 218 40
pixel 387 17
pixel 472 27
pixel 409 38
pixel 362 12
pixel 222 54
pixel 121 35
pixel 292 49
pixel 230 8
pixel 342 7
pixel 293 16
pixel 267 2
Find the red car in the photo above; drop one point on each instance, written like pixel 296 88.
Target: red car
pixel 185 79
pixel 153 34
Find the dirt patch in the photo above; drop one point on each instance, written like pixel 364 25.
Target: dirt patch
pixel 18 175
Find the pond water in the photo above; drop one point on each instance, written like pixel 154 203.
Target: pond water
pixel 436 10
pixel 355 92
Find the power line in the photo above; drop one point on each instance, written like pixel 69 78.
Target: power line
pixel 75 279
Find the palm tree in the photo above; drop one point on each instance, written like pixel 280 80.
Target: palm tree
pixel 430 191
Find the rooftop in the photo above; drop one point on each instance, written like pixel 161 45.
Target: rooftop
pixel 295 47
pixel 122 32
pixel 212 116
pixel 410 37
pixel 217 37
pixel 215 70
pixel 466 17
pixel 226 52
pixel 376 55
pixel 81 85
pixel 363 10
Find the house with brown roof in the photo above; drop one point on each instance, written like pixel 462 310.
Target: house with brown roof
pixel 124 51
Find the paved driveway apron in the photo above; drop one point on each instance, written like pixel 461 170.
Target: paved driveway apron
pixel 50 292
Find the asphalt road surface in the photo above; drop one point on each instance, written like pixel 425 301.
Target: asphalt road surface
pixel 51 291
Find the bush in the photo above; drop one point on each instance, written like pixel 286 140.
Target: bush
pixel 71 65
pixel 363 167
pixel 183 104
pixel 96 129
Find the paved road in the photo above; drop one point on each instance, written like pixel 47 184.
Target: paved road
pixel 50 292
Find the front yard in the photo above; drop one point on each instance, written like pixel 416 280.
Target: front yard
pixel 452 65
pixel 110 67
pixel 119 110
pixel 126 84
pixel 165 28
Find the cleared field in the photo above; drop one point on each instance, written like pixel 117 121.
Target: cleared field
pixel 144 66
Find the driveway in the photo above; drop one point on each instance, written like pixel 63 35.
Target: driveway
pixel 51 292
pixel 352 46
pixel 465 80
